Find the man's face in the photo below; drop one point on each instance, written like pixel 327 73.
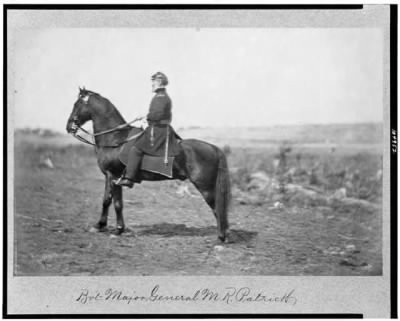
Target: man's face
pixel 156 84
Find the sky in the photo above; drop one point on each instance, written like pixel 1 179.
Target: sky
pixel 218 77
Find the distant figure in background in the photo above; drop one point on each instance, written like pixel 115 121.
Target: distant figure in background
pixel 154 139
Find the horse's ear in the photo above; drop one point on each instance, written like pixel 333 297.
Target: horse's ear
pixel 84 88
pixel 79 87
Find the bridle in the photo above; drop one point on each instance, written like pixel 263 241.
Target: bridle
pixel 94 135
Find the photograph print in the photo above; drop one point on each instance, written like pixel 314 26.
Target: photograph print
pixel 156 152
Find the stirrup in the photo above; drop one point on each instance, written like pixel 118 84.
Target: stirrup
pixel 130 185
pixel 118 180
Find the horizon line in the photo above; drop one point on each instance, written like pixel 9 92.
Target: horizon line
pixel 230 126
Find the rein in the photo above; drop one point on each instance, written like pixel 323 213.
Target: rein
pixel 113 129
pixel 84 140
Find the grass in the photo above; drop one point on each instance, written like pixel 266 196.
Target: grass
pixel 274 232
pixel 359 172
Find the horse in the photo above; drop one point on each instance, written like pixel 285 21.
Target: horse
pixel 203 164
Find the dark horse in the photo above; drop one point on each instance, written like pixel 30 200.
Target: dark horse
pixel 203 164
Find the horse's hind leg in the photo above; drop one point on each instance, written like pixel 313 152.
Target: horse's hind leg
pixel 118 205
pixel 209 197
pixel 107 199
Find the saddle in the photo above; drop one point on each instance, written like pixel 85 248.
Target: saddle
pixel 155 164
pixel 162 165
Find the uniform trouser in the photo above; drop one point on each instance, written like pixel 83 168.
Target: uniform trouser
pixel 134 160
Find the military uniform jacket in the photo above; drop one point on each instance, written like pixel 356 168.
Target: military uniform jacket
pixel 160 108
pixel 153 140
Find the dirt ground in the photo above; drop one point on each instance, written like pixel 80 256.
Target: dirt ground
pixel 172 233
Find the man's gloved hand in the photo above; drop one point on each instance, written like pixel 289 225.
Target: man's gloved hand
pixel 143 123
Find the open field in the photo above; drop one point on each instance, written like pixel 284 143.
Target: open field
pixel 306 207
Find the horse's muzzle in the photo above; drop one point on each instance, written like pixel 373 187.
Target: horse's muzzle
pixel 72 127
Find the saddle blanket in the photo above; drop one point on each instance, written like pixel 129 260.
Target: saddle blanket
pixel 153 164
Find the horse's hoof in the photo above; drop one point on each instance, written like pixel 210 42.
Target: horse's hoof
pixel 98 228
pixel 222 239
pixel 94 229
pixel 118 231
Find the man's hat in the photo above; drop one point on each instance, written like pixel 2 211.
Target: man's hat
pixel 161 76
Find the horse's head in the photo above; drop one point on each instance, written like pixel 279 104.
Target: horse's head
pixel 81 113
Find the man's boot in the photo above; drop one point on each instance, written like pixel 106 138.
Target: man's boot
pixel 132 168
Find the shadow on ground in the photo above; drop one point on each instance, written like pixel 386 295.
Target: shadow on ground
pixel 171 230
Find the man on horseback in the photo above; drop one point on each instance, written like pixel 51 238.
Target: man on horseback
pixel 202 163
pixel 154 141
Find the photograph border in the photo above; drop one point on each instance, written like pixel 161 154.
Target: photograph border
pixel 393 160
pixel 393 157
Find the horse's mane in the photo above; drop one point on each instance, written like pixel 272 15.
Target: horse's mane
pixel 94 93
pixel 108 102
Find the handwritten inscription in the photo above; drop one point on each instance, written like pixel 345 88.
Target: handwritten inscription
pixel 394 141
pixel 229 295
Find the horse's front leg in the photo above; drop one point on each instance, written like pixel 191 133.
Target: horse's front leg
pixel 107 199
pixel 118 205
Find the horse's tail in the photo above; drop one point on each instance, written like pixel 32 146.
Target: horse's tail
pixel 222 194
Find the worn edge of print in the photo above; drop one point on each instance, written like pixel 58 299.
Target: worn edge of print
pixel 369 296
